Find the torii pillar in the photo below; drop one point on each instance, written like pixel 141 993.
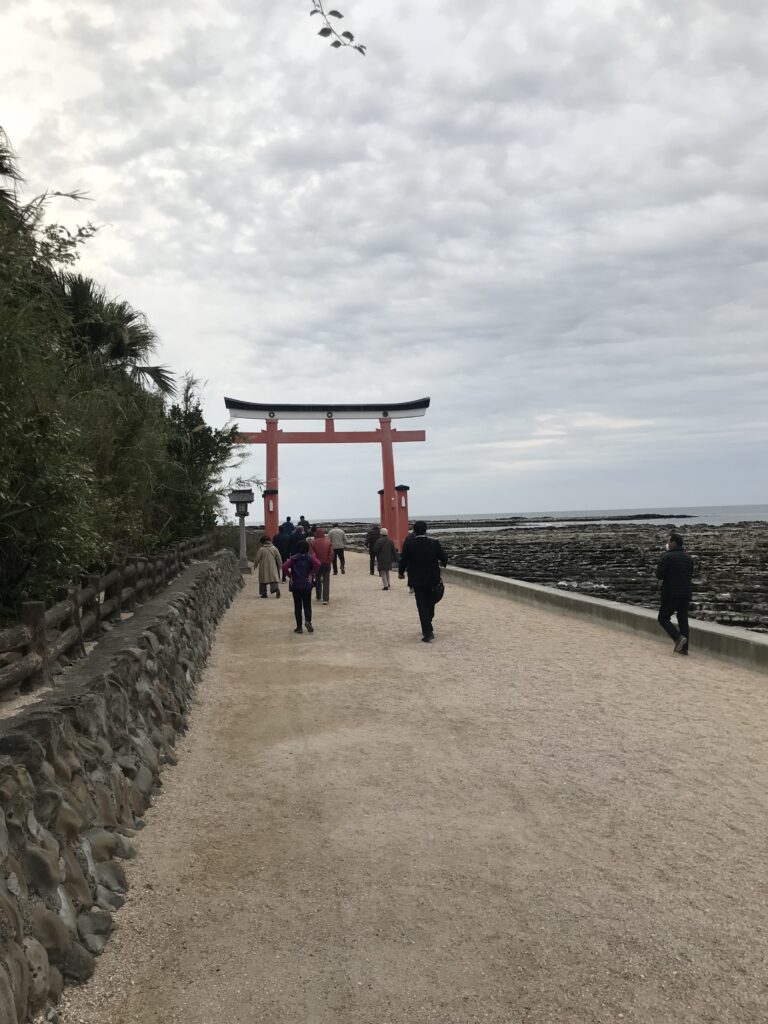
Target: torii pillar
pixel 385 436
pixel 402 514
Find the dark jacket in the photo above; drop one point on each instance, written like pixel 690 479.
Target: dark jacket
pixel 371 537
pixel 294 540
pixel 421 558
pixel 288 527
pixel 386 553
pixel 675 570
pixel 282 541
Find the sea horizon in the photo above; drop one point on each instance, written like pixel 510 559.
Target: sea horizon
pixel 684 515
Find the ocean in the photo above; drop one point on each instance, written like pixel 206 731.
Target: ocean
pixel 678 515
pixel 710 515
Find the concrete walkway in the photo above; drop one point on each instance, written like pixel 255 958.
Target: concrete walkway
pixel 531 820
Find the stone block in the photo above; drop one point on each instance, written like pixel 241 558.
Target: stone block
pixel 8 1013
pixel 78 964
pixel 18 970
pixel 50 931
pixel 37 964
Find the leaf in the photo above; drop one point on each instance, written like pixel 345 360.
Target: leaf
pixel 360 48
pixel 336 44
pixel 325 31
pixel 347 35
pixel 316 11
pixel 335 14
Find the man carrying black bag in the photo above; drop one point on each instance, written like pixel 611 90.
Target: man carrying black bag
pixel 421 558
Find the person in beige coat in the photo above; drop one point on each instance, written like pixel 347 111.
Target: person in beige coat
pixel 269 563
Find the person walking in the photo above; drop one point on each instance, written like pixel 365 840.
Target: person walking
pixel 322 549
pixel 675 570
pixel 421 559
pixel 304 524
pixel 288 527
pixel 370 541
pixel 386 555
pixel 269 563
pixel 282 542
pixel 339 541
pixel 301 569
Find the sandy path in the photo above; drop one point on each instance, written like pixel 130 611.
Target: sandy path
pixel 531 820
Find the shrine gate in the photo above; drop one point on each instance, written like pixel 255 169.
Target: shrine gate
pixel 393 500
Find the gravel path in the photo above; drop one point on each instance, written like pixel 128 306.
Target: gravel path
pixel 531 820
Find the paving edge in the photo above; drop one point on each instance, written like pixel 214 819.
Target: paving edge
pixel 730 643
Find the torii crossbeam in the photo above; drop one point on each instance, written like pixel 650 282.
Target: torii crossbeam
pixel 394 500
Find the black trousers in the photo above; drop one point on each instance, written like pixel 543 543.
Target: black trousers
pixel 670 606
pixel 425 604
pixel 323 582
pixel 302 601
pixel 338 560
pixel 373 562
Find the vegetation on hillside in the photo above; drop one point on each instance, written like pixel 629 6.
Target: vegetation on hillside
pixel 101 454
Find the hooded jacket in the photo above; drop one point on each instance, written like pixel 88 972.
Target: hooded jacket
pixel 321 547
pixel 301 569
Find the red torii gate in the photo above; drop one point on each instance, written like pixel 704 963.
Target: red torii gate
pixel 393 499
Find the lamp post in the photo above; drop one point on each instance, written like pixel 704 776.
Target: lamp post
pixel 241 500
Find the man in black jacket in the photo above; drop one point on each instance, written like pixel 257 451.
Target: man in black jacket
pixel 421 558
pixel 370 542
pixel 675 570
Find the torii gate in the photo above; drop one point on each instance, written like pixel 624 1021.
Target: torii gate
pixel 393 506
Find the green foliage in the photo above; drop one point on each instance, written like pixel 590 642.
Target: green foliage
pixel 93 463
pixel 228 536
pixel 198 455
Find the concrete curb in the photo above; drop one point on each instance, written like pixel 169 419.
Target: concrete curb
pixel 730 643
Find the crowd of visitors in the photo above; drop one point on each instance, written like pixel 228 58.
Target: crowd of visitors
pixel 305 556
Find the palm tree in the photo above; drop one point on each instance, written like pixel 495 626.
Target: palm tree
pixel 10 176
pixel 112 332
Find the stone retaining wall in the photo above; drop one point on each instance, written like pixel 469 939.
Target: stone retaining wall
pixel 77 771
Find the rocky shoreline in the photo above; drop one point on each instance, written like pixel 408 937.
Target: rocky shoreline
pixel 617 561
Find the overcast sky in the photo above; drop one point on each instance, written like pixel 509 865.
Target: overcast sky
pixel 550 216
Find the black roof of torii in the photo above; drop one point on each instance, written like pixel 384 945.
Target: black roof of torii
pixel 367 410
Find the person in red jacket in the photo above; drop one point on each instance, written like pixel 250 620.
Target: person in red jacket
pixel 321 547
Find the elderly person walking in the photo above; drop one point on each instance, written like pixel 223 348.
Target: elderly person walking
pixel 270 567
pixel 339 540
pixel 386 555
pixel 301 568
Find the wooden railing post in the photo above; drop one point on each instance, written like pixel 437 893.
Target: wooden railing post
pixel 94 605
pixel 114 592
pixel 132 565
pixel 74 600
pixel 33 617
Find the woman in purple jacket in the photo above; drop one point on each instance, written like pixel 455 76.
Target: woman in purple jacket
pixel 301 568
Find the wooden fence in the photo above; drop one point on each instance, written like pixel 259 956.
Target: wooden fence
pixel 29 650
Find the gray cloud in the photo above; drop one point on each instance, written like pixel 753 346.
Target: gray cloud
pixel 553 220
